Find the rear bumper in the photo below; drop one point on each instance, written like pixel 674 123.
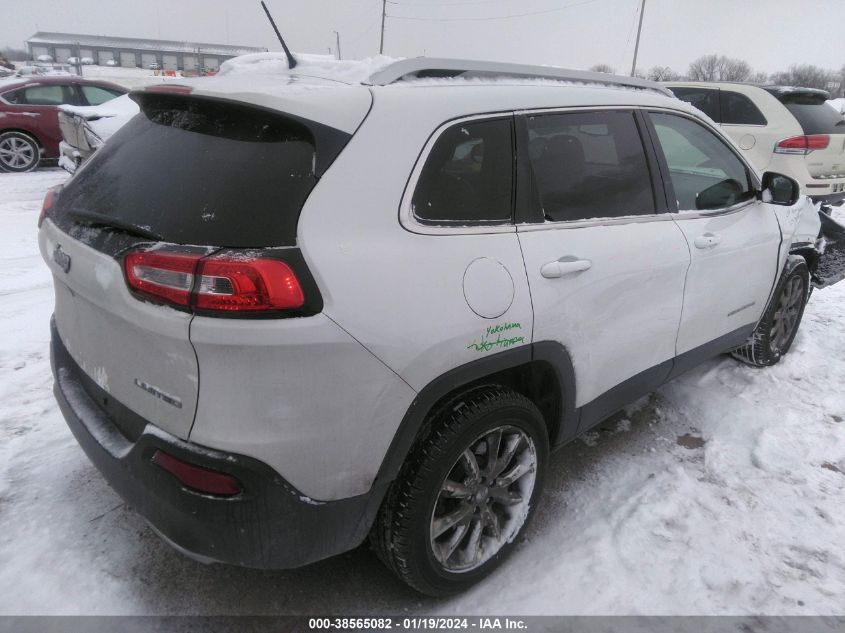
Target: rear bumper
pixel 270 525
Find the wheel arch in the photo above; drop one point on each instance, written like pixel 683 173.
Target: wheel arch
pixel 810 255
pixel 28 132
pixel 543 372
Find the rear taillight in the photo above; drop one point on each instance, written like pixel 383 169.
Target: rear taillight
pixel 49 201
pixel 161 276
pixel 197 478
pixel 802 144
pixel 233 284
pixel 227 283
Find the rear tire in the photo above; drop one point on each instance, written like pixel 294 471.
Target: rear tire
pixel 19 152
pixel 453 514
pixel 777 329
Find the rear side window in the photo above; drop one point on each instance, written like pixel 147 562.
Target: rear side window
pixel 52 94
pixel 95 95
pixel 467 178
pixel 13 96
pixel 737 109
pixel 589 165
pixel 705 99
pixel 202 172
pixel 705 173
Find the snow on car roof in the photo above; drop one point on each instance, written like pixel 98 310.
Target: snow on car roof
pixel 339 93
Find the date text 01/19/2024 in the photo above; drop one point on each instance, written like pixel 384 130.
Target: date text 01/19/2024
pixel 417 623
pixel 502 339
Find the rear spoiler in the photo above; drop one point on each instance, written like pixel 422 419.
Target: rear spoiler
pixel 791 94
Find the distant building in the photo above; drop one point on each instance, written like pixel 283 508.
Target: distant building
pixel 135 53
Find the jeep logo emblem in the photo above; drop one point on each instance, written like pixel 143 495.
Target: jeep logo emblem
pixel 61 258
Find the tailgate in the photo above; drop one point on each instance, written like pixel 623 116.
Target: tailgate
pixel 830 161
pixel 138 352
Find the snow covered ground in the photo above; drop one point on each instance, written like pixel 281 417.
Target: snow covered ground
pixel 720 494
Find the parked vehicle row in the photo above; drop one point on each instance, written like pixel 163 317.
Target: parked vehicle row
pixel 29 125
pixel 393 331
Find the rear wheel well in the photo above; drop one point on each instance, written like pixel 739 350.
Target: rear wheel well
pixel 25 133
pixel 536 380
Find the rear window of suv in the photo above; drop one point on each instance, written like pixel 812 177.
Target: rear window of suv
pixel 812 112
pixel 193 171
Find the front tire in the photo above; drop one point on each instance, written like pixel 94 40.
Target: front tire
pixel 465 493
pixel 19 152
pixel 777 329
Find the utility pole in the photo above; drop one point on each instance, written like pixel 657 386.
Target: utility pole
pixel 337 35
pixel 383 15
pixel 637 45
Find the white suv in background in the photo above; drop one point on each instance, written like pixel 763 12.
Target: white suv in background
pixel 789 130
pixel 411 288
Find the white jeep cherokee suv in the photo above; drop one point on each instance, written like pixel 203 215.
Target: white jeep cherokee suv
pixel 293 312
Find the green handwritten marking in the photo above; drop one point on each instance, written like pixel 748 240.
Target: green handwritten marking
pixel 487 343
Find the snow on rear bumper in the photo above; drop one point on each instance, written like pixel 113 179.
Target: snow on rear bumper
pixel 269 525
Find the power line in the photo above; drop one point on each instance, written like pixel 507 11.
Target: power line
pixel 484 19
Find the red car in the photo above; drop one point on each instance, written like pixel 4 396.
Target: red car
pixel 29 125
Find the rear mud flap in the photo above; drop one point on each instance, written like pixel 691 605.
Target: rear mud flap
pixel 831 267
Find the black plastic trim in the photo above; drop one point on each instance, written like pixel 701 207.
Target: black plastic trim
pixel 623 394
pixel 270 525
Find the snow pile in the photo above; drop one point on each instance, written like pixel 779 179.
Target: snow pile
pixel 322 66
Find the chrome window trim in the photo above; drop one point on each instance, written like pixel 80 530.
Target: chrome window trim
pixel 409 220
pixel 693 214
pixel 592 222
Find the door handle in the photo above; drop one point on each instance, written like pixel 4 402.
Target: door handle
pixel 564 266
pixel 707 240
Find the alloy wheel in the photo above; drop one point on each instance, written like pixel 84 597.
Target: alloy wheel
pixel 17 153
pixel 484 499
pixel 786 315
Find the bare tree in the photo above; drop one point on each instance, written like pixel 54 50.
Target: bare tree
pixel 662 73
pixel 705 68
pixel 603 68
pixel 719 68
pixel 758 77
pixel 805 76
pixel 734 70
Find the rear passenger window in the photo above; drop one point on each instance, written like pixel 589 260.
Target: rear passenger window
pixel 705 99
pixel 589 165
pixel 737 109
pixel 52 94
pixel 468 176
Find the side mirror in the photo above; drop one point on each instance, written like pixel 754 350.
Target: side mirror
pixel 780 189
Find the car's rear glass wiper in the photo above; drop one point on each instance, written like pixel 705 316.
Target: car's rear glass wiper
pixel 99 219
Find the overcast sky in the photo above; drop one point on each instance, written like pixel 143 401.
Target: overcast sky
pixel 769 34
